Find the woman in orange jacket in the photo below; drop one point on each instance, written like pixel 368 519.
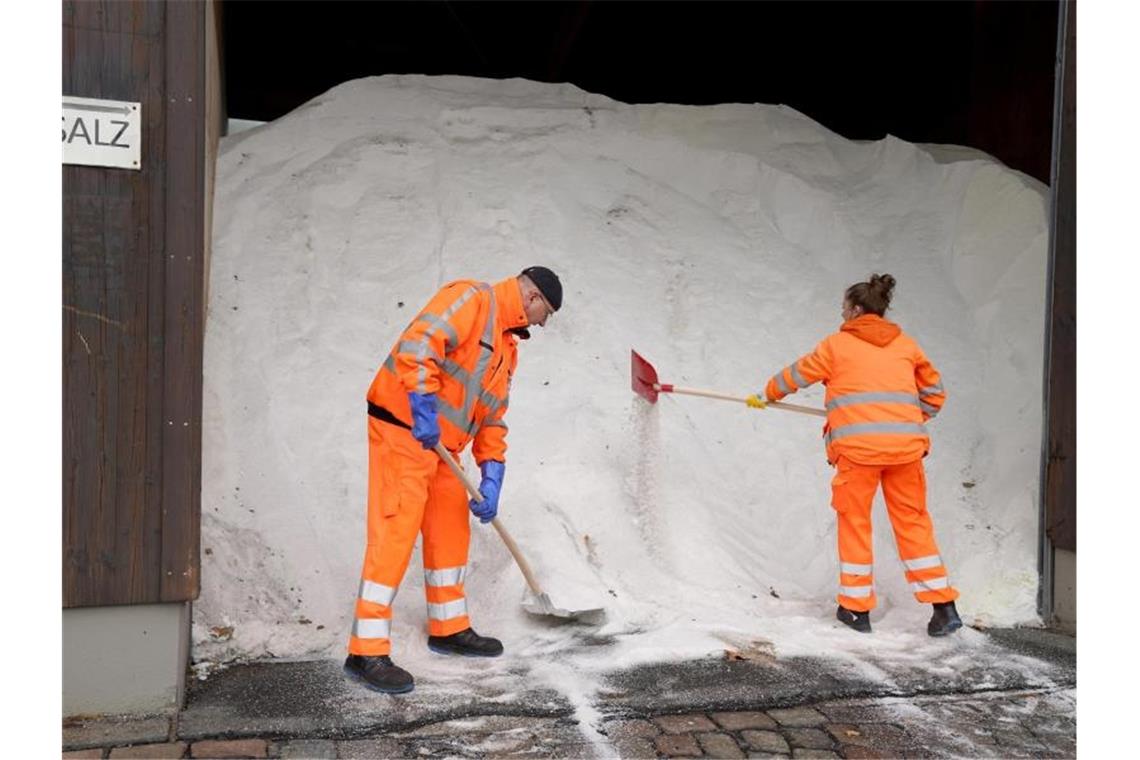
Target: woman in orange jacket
pixel 881 389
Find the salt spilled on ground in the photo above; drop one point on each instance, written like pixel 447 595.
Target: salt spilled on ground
pixel 715 240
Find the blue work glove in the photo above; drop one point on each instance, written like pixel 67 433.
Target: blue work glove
pixel 489 489
pixel 425 419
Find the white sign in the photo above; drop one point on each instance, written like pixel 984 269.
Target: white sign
pixel 101 132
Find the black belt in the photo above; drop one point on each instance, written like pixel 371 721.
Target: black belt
pixel 384 415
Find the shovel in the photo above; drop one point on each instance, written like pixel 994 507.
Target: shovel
pixel 541 605
pixel 643 378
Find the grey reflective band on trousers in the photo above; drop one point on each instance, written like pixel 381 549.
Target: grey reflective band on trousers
pixel 447 610
pixel 923 563
pixel 852 568
pixel 931 411
pixel 856 592
pixel 934 584
pixel 862 428
pixel 447 576
pixel 371 628
pixel 875 397
pixel 376 592
pixel 932 390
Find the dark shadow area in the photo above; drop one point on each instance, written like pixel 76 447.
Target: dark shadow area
pixel 970 73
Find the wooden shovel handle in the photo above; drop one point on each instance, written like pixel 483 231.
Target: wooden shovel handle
pixel 512 547
pixel 741 399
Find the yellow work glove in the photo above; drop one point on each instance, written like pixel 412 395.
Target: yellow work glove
pixel 755 401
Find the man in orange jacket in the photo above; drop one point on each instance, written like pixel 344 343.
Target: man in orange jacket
pixel 447 379
pixel 881 389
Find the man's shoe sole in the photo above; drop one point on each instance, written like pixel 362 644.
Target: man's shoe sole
pixel 461 652
pixel 373 687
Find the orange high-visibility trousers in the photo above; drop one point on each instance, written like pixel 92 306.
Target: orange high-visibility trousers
pixel 410 490
pixel 904 490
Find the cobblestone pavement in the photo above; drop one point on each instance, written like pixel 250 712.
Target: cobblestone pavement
pixel 1010 693
pixel 1035 723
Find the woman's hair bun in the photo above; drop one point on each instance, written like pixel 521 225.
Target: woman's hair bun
pixel 883 283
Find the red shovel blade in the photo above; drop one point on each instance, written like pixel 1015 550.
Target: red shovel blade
pixel 642 377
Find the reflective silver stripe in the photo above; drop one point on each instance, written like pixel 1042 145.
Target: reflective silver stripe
pixel 417 348
pixel 464 378
pixel 448 576
pixel 922 563
pixel 930 410
pixel 853 569
pixel 860 428
pixel 452 339
pixel 931 585
pixel 855 592
pixel 457 304
pixel 475 386
pixel 453 415
pixel 797 377
pixel 781 383
pixel 472 382
pixel 492 402
pixel 931 390
pixel 872 398
pixel 451 367
pixel 371 628
pixel 496 423
pixel 390 364
pixel 448 610
pixel 421 374
pixel 425 342
pixel 376 592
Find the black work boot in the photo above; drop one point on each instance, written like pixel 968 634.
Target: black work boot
pixel 467 643
pixel 379 674
pixel 860 621
pixel 945 619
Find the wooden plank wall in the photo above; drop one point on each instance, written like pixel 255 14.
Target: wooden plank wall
pixel 1061 446
pixel 133 312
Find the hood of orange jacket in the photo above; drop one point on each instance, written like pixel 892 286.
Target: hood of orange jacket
pixel 872 328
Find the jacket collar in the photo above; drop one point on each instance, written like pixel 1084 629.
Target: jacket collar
pixel 509 314
pixel 872 328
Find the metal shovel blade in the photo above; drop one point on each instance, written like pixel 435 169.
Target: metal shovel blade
pixel 542 606
pixel 642 377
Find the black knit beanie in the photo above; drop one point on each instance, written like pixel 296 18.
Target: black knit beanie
pixel 548 283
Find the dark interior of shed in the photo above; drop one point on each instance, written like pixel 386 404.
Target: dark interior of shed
pixel 978 73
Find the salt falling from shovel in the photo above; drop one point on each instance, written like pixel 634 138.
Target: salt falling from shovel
pixel 541 605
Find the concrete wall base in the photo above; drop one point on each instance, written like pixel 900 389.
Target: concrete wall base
pixel 128 659
pixel 1065 591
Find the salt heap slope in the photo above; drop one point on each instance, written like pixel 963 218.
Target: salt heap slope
pixel 715 240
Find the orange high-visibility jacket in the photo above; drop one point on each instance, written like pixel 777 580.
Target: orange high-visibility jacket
pixel 460 348
pixel 881 388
